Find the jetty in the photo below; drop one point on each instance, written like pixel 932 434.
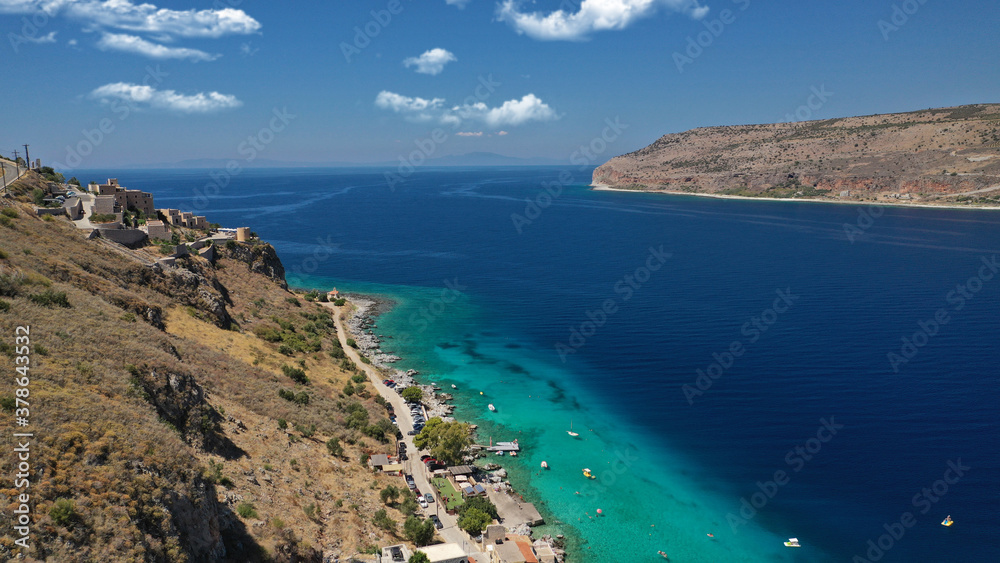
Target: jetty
pixel 504 447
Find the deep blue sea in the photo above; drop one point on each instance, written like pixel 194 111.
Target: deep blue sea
pixel 805 415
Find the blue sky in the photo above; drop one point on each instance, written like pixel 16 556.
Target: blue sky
pixel 557 72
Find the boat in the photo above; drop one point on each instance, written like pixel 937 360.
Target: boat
pixel 570 431
pixel 545 465
pixel 513 454
pixel 663 555
pixel 492 408
pixel 453 386
pixel 947 521
pixel 792 542
pixel 588 474
pixel 500 452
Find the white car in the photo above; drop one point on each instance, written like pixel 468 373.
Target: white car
pixel 422 502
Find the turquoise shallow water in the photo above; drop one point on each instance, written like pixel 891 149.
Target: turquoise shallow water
pixel 528 286
pixel 651 499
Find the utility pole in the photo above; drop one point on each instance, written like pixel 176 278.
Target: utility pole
pixel 17 167
pixel 26 157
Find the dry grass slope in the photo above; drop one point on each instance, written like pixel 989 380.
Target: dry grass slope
pixel 157 413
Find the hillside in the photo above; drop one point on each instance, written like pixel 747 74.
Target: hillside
pixel 936 156
pixel 170 414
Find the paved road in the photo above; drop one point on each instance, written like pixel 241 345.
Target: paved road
pixel 8 172
pixel 450 533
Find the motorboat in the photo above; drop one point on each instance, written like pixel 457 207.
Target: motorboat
pixel 492 408
pixel 792 542
pixel 545 465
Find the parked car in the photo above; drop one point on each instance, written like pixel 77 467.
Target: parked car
pixel 409 482
pixel 412 433
pixel 437 521
pixel 429 497
pixel 422 502
pixel 424 457
pixel 402 457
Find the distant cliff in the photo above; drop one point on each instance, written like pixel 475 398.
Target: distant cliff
pixel 928 156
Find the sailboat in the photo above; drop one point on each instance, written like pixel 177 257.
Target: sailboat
pixel 570 431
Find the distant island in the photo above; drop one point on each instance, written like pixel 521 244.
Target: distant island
pixel 944 156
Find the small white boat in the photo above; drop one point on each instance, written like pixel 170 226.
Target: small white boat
pixel 570 431
pixel 492 408
pixel 453 386
pixel 792 542
pixel 545 465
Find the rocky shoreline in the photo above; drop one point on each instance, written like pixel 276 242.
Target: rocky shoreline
pixel 363 325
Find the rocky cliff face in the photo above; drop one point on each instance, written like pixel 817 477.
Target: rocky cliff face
pixel 261 258
pixel 930 155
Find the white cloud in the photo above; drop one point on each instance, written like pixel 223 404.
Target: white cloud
pixel 470 133
pixel 47 38
pixel 431 62
pixel 594 15
pixel 147 96
pixel 501 133
pixel 139 46
pixel 123 14
pixel 460 3
pixel 510 113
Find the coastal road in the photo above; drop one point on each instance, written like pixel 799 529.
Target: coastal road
pixel 450 533
pixel 9 172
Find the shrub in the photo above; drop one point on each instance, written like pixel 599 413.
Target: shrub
pixel 286 394
pixel 348 389
pixel 246 510
pixel 282 423
pixel 307 431
pixel 41 350
pixel 340 302
pixel 295 374
pixel 418 557
pixel 382 520
pixel 4 306
pixel 49 298
pixel 293 301
pixel 310 510
pixel 8 403
pixel 230 244
pixel 9 212
pixel 103 218
pixel 358 378
pixel 333 446
pixel 63 512
pixel 302 398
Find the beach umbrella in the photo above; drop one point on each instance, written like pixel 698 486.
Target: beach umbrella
pixel 599 511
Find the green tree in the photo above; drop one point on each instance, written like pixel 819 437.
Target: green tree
pixel 412 394
pixel 409 504
pixel 38 196
pixel 418 530
pixel 418 557
pixel 474 521
pixel 389 494
pixel 447 441
pixel 480 503
pixel 382 520
pixel 333 446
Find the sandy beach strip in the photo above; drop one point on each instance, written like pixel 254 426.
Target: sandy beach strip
pixel 608 188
